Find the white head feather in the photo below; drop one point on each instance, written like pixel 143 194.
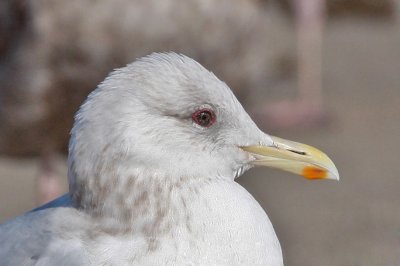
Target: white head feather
pixel 137 126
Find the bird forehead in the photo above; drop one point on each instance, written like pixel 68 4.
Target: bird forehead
pixel 169 85
pixel 175 71
pixel 174 92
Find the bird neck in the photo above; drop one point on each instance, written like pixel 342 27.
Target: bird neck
pixel 151 205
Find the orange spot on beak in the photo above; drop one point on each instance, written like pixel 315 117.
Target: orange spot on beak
pixel 311 172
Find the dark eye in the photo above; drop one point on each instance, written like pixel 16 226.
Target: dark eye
pixel 204 117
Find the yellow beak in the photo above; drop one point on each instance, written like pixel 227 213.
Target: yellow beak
pixel 294 157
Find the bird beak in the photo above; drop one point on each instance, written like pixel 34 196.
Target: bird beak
pixel 294 157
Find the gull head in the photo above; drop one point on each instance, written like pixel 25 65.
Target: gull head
pixel 165 116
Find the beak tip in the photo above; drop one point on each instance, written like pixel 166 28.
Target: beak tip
pixel 334 175
pixel 335 178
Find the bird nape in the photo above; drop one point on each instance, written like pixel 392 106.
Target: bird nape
pixel 153 155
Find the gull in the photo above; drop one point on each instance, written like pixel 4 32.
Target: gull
pixel 153 157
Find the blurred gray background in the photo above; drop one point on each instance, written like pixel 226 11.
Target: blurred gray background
pixel 325 73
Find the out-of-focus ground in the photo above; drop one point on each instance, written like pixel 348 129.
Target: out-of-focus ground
pixel 352 222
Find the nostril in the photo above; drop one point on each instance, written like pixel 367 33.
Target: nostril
pixel 298 152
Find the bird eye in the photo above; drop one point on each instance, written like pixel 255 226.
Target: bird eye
pixel 204 117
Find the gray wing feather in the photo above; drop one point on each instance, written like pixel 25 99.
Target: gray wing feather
pixel 42 237
pixel 63 201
